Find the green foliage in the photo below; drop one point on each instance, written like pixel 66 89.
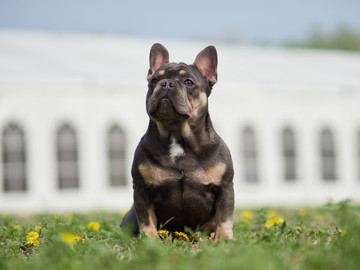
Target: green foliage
pixel 321 238
pixel 343 38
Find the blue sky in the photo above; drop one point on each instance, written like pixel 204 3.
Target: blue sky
pixel 271 21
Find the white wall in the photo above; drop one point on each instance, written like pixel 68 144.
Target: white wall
pixel 41 107
pixel 93 81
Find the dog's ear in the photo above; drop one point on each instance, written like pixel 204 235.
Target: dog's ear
pixel 206 61
pixel 158 57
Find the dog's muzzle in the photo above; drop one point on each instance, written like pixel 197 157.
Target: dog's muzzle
pixel 168 99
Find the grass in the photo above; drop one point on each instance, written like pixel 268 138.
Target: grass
pixel 327 237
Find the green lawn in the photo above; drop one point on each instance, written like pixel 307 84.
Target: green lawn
pixel 327 237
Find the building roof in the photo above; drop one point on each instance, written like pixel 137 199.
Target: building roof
pixel 29 56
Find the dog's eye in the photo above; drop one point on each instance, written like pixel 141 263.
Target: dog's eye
pixel 189 82
pixel 154 81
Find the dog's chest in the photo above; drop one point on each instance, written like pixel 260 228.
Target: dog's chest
pixel 176 150
pixel 188 203
pixel 189 170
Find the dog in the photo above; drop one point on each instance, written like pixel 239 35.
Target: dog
pixel 182 170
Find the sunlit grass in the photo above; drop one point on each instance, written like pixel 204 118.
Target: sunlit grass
pixel 321 238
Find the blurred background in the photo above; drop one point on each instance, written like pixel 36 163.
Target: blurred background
pixel 73 86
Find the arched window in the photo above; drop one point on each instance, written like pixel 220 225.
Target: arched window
pixel 116 156
pixel 328 155
pixel 14 158
pixel 250 155
pixel 289 154
pixel 67 155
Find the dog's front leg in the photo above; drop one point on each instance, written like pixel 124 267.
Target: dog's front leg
pixel 224 212
pixel 145 209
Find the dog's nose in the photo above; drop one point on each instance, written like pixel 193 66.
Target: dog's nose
pixel 167 84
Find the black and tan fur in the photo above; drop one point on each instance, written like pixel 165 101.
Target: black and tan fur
pixel 182 170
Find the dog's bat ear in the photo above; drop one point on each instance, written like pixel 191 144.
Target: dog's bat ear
pixel 158 57
pixel 206 62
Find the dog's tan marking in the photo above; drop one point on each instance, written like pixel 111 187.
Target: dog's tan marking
pixel 196 105
pixel 162 130
pixel 150 229
pixel 155 175
pixel 185 129
pixel 199 101
pixel 225 229
pixel 215 173
pixel 161 72
pixel 212 175
pixel 203 97
pixel 183 72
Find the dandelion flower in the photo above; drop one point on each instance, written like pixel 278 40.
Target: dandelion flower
pixel 34 242
pixel 303 212
pixel 247 214
pixel 69 217
pixel 163 232
pixel 181 236
pixel 341 231
pixel 271 213
pixel 68 238
pixel 16 226
pixel 245 220
pixel 32 237
pixel 79 238
pixel 38 228
pixel 274 222
pixel 94 225
pixel 81 227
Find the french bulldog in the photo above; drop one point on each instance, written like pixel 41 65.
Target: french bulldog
pixel 182 170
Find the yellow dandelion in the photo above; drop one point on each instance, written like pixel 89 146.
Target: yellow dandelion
pixel 303 212
pixel 81 227
pixel 274 222
pixel 245 220
pixel 32 237
pixel 16 226
pixel 271 213
pixel 68 238
pixel 341 231
pixel 69 217
pixel 34 242
pixel 94 225
pixel 79 238
pixel 181 236
pixel 163 232
pixel 247 214
pixel 38 228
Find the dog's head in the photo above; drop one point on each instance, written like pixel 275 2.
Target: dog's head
pixel 177 91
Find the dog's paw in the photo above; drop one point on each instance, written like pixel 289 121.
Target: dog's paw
pixel 151 234
pixel 224 229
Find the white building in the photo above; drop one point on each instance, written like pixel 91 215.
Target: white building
pixel 72 110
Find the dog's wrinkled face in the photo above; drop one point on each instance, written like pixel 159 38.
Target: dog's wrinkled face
pixel 178 91
pixel 175 91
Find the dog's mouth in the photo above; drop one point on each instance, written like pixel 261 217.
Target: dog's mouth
pixel 164 100
pixel 165 108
